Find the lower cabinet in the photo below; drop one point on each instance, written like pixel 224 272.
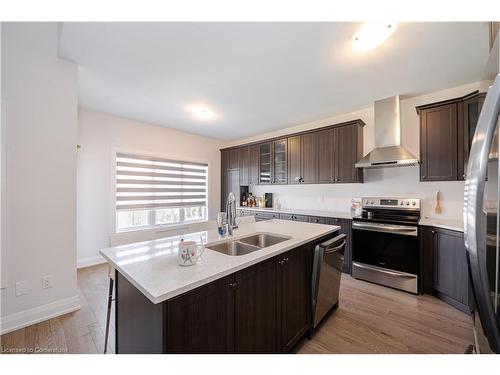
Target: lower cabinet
pixel 256 309
pixel 444 267
pixel 264 308
pixel 272 303
pixel 294 279
pixel 201 321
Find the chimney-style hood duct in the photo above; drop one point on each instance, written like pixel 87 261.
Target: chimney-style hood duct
pixel 387 152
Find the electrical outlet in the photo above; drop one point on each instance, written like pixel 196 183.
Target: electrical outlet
pixel 21 288
pixel 47 282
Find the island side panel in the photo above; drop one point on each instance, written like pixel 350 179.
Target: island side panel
pixel 138 321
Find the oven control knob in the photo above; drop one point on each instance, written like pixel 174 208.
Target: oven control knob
pixel 402 203
pixel 413 203
pixel 371 202
pixel 407 203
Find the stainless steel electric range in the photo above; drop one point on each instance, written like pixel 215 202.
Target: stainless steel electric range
pixel 385 242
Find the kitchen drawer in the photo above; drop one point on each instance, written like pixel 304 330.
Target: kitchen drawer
pixel 259 216
pixel 294 217
pixel 317 219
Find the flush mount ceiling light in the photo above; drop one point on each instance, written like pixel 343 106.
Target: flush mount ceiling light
pixel 372 34
pixel 202 113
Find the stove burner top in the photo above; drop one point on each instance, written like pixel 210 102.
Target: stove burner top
pixel 390 210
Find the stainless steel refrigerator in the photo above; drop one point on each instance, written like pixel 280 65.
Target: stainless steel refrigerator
pixel 482 224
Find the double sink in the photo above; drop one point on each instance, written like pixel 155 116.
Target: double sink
pixel 247 245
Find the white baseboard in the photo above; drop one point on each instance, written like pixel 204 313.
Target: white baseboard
pixel 89 261
pixel 38 314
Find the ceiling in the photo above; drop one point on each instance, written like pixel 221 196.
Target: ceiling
pixel 259 77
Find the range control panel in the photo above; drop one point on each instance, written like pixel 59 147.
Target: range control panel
pixel 397 203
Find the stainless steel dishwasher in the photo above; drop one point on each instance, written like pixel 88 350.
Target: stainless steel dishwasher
pixel 327 271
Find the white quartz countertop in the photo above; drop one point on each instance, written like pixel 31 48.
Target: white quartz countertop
pixel 152 266
pixel 297 211
pixel 452 224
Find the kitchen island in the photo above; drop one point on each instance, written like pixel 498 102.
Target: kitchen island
pixel 253 303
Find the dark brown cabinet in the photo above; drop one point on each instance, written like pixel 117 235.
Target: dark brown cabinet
pixel 294 291
pixel 347 150
pixel 339 149
pixel 325 155
pixel 279 165
pixel 468 117
pixel 446 132
pixel 256 309
pixel 438 143
pixel 202 321
pixel 224 159
pixel 234 158
pixel 245 165
pixel 302 158
pixel 230 182
pixel 444 267
pixel 295 160
pixel 265 159
pixel 253 173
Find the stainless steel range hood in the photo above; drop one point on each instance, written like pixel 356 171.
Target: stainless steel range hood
pixel 388 152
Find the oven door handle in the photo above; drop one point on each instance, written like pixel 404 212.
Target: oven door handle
pixel 378 269
pixel 386 228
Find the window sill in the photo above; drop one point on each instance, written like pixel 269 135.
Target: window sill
pixel 160 228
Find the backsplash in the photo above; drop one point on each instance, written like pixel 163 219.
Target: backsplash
pixel 384 182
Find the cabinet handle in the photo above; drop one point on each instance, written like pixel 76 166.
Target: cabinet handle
pixel 433 232
pixel 336 180
pixel 286 260
pixel 233 285
pixel 281 263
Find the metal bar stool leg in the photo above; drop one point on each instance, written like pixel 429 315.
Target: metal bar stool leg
pixel 108 315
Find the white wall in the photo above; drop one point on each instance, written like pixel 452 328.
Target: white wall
pixel 398 182
pixel 99 134
pixel 40 93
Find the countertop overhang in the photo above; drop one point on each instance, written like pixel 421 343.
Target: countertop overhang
pixel 152 266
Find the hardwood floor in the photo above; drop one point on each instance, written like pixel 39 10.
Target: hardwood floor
pixel 370 319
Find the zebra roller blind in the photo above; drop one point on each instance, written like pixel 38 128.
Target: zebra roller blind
pixel 145 182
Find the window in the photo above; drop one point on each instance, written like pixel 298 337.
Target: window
pixel 153 191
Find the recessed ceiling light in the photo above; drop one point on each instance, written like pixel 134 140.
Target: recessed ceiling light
pixel 372 34
pixel 202 112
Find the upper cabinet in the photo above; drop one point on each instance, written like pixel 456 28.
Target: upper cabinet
pixel 325 155
pixel 302 158
pixel 347 150
pixel 244 165
pixel 279 165
pixel 471 108
pixel 234 158
pixel 253 172
pixel 446 132
pixel 438 143
pixel 265 159
pixel 339 149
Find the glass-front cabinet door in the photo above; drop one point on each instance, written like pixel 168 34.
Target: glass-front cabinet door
pixel 265 163
pixel 279 175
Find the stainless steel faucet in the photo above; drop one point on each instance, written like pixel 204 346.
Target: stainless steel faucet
pixel 231 213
